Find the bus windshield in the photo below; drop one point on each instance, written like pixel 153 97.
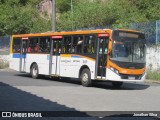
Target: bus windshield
pixel 128 48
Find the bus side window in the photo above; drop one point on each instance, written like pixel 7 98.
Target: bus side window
pixel 89 44
pixel 67 44
pixel 34 45
pixel 77 43
pixel 29 49
pixel 59 46
pixel 44 44
pixel 16 45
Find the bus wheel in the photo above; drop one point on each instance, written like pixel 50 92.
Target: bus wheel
pixel 117 84
pixel 85 78
pixel 35 71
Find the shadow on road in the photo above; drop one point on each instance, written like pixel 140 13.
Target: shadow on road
pixel 125 86
pixel 55 79
pixel 13 99
pixel 18 101
pixel 99 84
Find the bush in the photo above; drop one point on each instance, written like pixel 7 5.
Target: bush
pixel 3 64
pixel 153 75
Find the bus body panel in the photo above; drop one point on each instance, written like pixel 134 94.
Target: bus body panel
pixel 70 65
pixel 42 60
pixel 14 63
pixel 57 64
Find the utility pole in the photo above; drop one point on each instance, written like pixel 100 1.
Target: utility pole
pixel 53 30
pixel 72 13
pixel 53 15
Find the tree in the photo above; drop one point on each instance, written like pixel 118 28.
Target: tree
pixel 22 16
pixel 110 12
pixel 18 17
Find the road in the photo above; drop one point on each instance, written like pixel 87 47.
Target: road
pixel 19 92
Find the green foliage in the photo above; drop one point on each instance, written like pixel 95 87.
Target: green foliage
pixel 63 5
pixel 149 8
pixel 153 75
pixel 84 15
pixel 3 64
pixel 110 12
pixel 6 52
pixel 88 14
pixel 22 16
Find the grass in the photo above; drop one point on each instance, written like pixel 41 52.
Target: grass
pixel 3 64
pixel 4 52
pixel 153 75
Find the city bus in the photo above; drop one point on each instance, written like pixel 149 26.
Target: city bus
pixel 117 55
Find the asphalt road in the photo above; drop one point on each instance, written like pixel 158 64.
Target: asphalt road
pixel 19 92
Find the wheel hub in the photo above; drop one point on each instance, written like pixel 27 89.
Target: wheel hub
pixel 34 71
pixel 85 77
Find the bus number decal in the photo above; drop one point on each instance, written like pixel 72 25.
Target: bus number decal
pixel 85 61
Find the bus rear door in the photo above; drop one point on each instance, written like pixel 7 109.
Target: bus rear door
pixel 54 65
pixel 101 59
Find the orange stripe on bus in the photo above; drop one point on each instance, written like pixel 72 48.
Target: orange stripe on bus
pixel 125 70
pixel 70 55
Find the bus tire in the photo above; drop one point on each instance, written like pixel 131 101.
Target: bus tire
pixel 35 71
pixel 85 78
pixel 117 84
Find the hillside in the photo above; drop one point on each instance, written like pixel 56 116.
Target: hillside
pixel 45 6
pixel 30 16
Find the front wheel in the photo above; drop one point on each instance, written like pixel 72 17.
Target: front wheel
pixel 117 84
pixel 35 71
pixel 85 78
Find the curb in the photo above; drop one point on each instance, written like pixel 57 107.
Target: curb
pixel 152 81
pixel 7 70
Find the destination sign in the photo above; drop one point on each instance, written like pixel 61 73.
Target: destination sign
pixel 131 35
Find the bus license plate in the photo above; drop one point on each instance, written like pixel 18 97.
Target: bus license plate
pixel 131 77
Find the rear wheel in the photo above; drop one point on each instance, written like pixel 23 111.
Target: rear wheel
pixel 35 71
pixel 85 78
pixel 117 84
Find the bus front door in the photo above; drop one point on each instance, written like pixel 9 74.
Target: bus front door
pixel 54 66
pixel 23 50
pixel 101 59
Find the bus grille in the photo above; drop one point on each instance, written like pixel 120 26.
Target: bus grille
pixel 124 76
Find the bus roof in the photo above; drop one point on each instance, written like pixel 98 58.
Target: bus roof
pixel 62 33
pixel 71 32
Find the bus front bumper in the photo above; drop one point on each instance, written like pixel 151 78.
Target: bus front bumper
pixel 113 76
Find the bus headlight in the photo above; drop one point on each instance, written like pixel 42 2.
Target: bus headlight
pixel 144 73
pixel 114 70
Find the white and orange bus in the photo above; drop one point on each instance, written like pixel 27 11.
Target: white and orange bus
pixel 109 55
